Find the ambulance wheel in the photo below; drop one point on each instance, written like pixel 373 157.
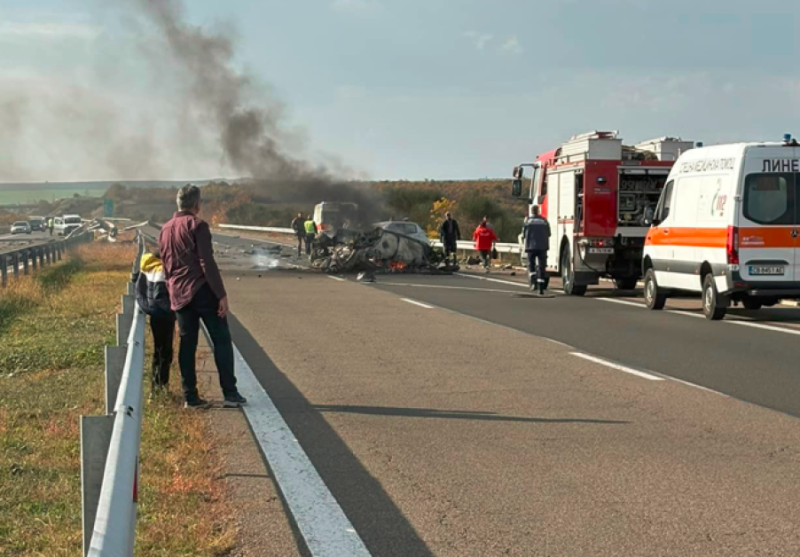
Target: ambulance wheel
pixel 568 276
pixel 628 283
pixel 752 303
pixel 654 298
pixel 715 305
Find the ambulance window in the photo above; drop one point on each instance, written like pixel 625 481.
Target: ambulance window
pixel 662 211
pixel 768 199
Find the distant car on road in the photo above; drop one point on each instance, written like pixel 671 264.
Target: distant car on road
pixel 37 224
pixel 410 229
pixel 21 227
pixel 66 224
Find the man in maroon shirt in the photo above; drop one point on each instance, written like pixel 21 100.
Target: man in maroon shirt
pixel 196 290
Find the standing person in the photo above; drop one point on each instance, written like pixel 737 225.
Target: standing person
pixel 299 230
pixel 196 292
pixel 450 234
pixel 311 230
pixel 50 225
pixel 536 232
pixel 484 238
pixel 152 295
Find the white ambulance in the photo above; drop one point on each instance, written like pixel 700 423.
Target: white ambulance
pixel 727 225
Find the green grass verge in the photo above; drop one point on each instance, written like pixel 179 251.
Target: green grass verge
pixel 52 331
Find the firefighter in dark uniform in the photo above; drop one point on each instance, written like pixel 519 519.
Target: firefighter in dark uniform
pixel 298 225
pixel 536 232
pixel 450 234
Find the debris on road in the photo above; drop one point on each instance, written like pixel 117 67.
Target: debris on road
pixel 377 250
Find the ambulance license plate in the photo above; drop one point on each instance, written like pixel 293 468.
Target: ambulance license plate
pixel 601 250
pixel 763 270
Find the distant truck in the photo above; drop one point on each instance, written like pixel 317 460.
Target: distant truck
pixel 37 223
pixel 599 197
pixel 331 216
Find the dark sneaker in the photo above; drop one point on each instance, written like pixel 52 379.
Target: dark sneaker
pixel 196 403
pixel 234 401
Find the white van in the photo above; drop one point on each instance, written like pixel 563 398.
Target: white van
pixel 727 225
pixel 66 224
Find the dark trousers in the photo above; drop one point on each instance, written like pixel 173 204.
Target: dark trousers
pixel 487 258
pixel 309 241
pixel 204 306
pixel 450 247
pixel 163 329
pixel 537 265
pixel 299 244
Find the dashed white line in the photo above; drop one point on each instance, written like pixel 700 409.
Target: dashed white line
pixel 340 279
pixel 617 366
pixel 518 284
pixel 438 286
pixel 623 302
pixel 420 304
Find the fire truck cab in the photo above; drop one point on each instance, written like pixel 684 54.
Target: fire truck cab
pixel 599 197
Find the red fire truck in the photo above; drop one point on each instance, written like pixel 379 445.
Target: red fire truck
pixel 599 196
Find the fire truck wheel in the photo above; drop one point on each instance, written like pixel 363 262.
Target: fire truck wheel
pixel 715 305
pixel 654 298
pixel 568 277
pixel 752 303
pixel 626 283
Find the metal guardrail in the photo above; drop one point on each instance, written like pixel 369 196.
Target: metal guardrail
pixel 33 257
pixel 110 443
pixel 466 246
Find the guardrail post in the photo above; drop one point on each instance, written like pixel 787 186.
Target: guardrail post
pixel 95 440
pixel 41 257
pixel 15 263
pixel 3 271
pixel 47 252
pixel 25 261
pixel 123 329
pixel 59 250
pixel 131 289
pixel 115 363
pixel 128 303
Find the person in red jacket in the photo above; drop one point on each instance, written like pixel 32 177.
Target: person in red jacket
pixel 484 240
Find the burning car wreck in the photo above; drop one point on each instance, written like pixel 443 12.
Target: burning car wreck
pixel 350 251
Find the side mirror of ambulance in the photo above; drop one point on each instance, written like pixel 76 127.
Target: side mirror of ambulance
pixel 516 188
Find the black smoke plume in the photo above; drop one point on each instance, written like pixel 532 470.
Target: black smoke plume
pixel 245 117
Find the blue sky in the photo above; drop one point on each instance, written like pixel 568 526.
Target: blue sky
pixel 406 88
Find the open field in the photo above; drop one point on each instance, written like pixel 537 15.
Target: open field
pixel 52 331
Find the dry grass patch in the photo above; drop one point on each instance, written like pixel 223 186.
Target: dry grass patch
pixel 52 331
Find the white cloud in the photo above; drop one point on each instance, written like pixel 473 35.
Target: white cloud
pixel 356 7
pixel 47 31
pixel 512 45
pixel 479 39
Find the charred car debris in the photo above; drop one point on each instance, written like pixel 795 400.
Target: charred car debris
pixel 378 250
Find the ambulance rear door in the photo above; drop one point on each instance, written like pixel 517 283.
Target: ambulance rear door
pixel 768 217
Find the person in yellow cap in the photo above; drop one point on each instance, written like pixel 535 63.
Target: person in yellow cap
pixel 152 296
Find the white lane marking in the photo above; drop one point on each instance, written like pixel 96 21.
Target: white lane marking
pixel 448 287
pixel 696 386
pixel 623 302
pixel 617 366
pixel 687 313
pixel 321 521
pixel 340 279
pixel 519 284
pixel 765 327
pixel 420 304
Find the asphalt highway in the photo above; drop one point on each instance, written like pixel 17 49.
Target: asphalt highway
pixel 752 355
pixel 461 416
